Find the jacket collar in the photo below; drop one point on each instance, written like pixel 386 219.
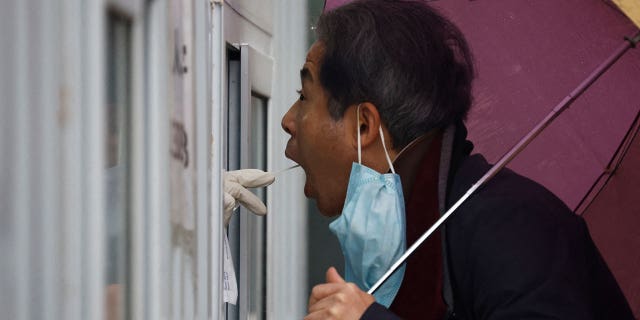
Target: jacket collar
pixel 455 148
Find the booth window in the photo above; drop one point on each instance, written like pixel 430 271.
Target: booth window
pixel 117 164
pixel 247 148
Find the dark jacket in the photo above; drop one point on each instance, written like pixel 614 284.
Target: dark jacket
pixel 514 250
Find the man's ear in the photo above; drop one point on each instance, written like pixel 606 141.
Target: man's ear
pixel 368 124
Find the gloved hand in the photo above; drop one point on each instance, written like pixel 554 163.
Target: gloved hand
pixel 235 184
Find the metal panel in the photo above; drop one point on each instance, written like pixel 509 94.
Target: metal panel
pixel 21 173
pixel 189 145
pixel 49 155
pixel 137 168
pixel 157 265
pixel 50 162
pixel 8 239
pixel 202 69
pixel 90 193
pixel 218 130
pixel 71 135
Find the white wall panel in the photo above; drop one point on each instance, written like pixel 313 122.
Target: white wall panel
pixel 51 201
pixel 259 13
pixel 157 265
pixel 287 222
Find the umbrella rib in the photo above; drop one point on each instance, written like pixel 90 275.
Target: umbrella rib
pixel 610 169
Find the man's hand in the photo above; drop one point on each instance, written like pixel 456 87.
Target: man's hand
pixel 337 299
pixel 235 192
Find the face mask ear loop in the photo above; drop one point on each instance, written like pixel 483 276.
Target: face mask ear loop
pixel 358 134
pixel 386 154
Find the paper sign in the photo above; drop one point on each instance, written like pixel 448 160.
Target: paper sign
pixel 631 8
pixel 230 289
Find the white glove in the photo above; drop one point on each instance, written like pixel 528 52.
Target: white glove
pixel 235 184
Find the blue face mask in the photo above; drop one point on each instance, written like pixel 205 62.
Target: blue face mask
pixel 371 229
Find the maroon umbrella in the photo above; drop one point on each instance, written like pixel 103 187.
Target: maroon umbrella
pixel 530 55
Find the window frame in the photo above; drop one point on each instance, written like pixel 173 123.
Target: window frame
pixel 250 74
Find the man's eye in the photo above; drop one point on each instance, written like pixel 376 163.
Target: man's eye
pixel 301 98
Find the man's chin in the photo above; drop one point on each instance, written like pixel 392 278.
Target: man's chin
pixel 307 191
pixel 326 207
pixel 327 210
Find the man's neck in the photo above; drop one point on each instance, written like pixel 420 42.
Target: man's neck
pixel 410 157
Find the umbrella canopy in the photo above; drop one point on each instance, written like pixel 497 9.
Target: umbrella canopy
pixel 529 56
pixel 612 213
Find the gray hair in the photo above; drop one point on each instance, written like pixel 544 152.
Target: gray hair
pixel 402 56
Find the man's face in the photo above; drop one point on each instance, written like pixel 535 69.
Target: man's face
pixel 318 143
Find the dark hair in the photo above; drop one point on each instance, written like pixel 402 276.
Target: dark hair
pixel 402 56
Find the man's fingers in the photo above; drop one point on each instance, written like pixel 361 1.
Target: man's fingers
pixel 320 315
pixel 328 302
pixel 321 291
pixel 333 313
pixel 333 276
pixel 245 197
pixel 251 178
pixel 333 285
pixel 337 299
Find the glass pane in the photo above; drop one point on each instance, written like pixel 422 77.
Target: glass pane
pixel 233 163
pixel 118 104
pixel 257 225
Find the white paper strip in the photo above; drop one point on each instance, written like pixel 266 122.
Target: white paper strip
pixel 229 275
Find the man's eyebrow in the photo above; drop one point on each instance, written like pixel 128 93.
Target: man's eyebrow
pixel 305 74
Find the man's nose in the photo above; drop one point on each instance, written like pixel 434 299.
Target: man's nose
pixel 287 122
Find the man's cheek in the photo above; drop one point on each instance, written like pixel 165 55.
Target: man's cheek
pixel 328 127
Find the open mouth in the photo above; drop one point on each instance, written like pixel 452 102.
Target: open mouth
pixel 290 153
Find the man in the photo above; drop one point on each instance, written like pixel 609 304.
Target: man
pixel 392 79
